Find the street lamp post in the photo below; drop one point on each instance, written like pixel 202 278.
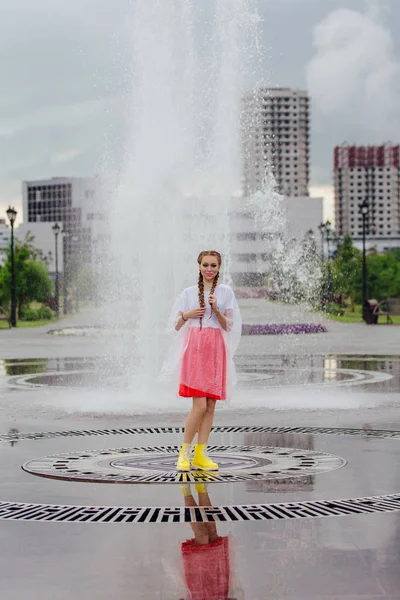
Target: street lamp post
pixel 12 215
pixel 321 228
pixel 56 230
pixel 328 233
pixel 66 235
pixel 364 211
pixel 94 263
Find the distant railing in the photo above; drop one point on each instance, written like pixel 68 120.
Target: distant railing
pixel 388 308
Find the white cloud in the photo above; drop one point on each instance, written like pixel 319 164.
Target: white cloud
pixel 378 8
pixel 66 156
pixel 61 91
pixel 63 68
pixel 354 76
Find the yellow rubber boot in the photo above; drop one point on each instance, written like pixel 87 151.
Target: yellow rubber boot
pixel 183 463
pixel 201 462
pixel 186 489
pixel 201 488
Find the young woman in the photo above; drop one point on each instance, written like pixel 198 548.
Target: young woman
pixel 208 320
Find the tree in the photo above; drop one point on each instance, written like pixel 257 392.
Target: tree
pixel 383 273
pixel 383 276
pixel 395 252
pixel 36 284
pixel 346 270
pixel 32 280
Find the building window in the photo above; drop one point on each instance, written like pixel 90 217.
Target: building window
pixel 246 258
pixel 246 237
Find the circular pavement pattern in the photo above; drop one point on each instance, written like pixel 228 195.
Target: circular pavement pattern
pixel 21 511
pixel 157 465
pixel 56 513
pixel 271 376
pixel 15 436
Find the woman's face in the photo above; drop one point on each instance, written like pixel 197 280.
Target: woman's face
pixel 209 267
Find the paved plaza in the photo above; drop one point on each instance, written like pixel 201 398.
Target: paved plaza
pixel 306 504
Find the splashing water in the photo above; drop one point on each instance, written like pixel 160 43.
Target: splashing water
pixel 182 162
pixel 183 166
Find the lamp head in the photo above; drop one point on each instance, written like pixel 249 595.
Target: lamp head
pixel 11 214
pixel 56 228
pixel 364 208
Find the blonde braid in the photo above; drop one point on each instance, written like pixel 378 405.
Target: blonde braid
pixel 214 285
pixel 201 282
pixel 201 295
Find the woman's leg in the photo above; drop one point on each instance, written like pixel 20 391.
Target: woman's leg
pixel 204 500
pixel 206 422
pixel 200 530
pixel 194 418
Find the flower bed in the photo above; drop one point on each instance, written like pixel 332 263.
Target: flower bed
pixel 265 329
pixel 84 330
pixel 283 329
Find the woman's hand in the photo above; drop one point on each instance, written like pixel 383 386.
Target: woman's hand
pixel 196 313
pixel 213 303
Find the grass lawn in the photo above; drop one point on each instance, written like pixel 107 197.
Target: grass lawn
pixel 4 324
pixel 35 306
pixel 355 317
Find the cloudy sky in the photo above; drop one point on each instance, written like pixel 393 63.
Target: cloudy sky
pixel 63 63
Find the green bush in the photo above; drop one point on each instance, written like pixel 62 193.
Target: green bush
pixel 334 309
pixel 45 312
pixel 31 314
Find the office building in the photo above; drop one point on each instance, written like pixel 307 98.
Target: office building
pixel 371 174
pixel 5 235
pixel 255 239
pixel 275 138
pixel 72 202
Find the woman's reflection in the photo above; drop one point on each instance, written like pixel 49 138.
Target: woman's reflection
pixel 206 557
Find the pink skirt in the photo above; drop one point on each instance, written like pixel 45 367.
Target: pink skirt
pixel 207 569
pixel 203 372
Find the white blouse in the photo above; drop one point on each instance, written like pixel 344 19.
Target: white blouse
pixel 190 300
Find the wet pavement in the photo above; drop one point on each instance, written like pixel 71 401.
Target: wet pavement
pixel 306 504
pixel 347 556
pixel 282 555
